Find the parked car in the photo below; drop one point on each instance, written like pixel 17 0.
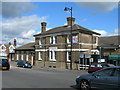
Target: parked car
pixel 24 64
pixel 97 66
pixel 4 64
pixel 104 79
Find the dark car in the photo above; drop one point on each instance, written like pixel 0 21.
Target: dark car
pixel 104 79
pixel 22 63
pixel 97 66
pixel 4 64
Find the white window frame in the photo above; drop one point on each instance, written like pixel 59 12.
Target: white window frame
pixel 40 42
pixel 53 39
pixel 17 57
pixel 22 57
pixel 68 57
pixel 52 56
pixel 27 57
pixel 39 55
pixel 68 39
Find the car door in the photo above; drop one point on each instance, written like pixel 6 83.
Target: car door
pixel 100 79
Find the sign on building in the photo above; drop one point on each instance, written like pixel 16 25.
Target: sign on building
pixel 75 39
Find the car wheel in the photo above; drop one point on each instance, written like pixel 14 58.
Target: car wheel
pixel 84 85
pixel 23 66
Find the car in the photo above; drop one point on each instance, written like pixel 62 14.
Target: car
pixel 24 64
pixel 4 64
pixel 97 66
pixel 105 79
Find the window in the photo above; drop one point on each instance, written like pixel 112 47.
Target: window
pixel 52 55
pixel 21 57
pixel 39 55
pixel 117 72
pixel 69 39
pixel 40 42
pixel 106 72
pixel 53 40
pixel 27 57
pixel 68 56
pixel 17 56
pixel 94 39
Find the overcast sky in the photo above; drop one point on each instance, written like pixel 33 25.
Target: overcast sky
pixel 21 20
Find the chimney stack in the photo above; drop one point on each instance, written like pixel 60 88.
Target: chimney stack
pixel 15 43
pixel 9 43
pixel 69 21
pixel 43 26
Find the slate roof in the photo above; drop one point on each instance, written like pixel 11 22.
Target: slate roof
pixel 67 28
pixel 28 46
pixel 109 42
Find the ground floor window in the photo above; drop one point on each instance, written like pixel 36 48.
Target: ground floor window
pixel 21 57
pixel 17 56
pixel 52 56
pixel 39 55
pixel 68 56
pixel 27 57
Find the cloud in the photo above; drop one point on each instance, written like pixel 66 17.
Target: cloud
pixel 22 28
pixel 15 9
pixel 101 6
pixel 102 32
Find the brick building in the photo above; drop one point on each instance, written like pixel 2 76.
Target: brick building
pixel 111 48
pixel 25 52
pixel 53 47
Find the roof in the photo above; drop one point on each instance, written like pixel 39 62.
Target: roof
pixel 67 28
pixel 28 46
pixel 109 41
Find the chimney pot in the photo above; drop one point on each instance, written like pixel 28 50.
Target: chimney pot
pixel 69 21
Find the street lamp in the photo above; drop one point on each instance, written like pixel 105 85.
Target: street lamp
pixel 70 10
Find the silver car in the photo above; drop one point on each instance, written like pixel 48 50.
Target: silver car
pixel 104 79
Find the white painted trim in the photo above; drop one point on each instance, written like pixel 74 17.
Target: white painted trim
pixel 1 47
pixel 67 43
pixel 37 50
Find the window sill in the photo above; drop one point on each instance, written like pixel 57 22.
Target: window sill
pixel 52 60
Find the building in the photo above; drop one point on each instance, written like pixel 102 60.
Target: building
pixel 111 48
pixel 25 52
pixel 7 50
pixel 53 47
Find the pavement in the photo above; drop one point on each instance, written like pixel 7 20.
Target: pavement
pixel 81 72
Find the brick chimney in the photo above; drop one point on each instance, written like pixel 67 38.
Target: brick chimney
pixel 69 21
pixel 43 26
pixel 15 42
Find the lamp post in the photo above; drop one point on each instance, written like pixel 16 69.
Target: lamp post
pixel 70 10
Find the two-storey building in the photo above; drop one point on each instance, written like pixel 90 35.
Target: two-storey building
pixel 53 47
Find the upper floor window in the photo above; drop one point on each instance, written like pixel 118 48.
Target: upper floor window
pixel 40 42
pixel 69 37
pixel 53 40
pixel 94 39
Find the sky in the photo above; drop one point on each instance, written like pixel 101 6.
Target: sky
pixel 22 20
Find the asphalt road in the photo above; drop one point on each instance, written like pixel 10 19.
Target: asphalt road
pixel 26 78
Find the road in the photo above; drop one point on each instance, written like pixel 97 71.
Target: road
pixel 18 77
